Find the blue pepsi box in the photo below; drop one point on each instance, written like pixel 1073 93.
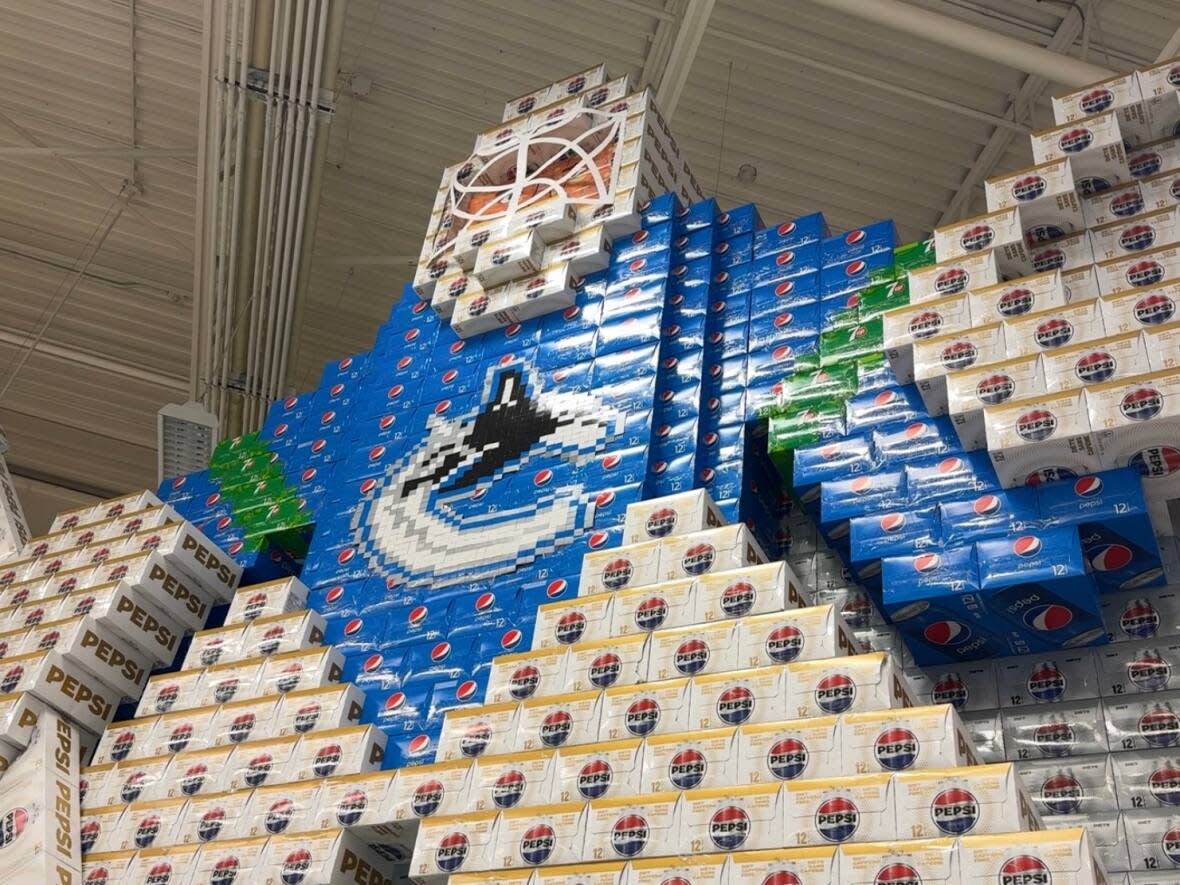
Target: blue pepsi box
pixel 349 368
pixel 894 533
pixel 721 481
pixel 824 462
pixel 454 350
pixel 659 209
pixel 933 598
pixel 889 406
pixel 843 499
pixel 735 251
pixel 702 213
pixel 952 476
pixel 631 330
pixel 784 295
pixel 741 221
pixel 669 476
pixel 1039 586
pixel 650 268
pixel 801 321
pixel 914 440
pixel 714 447
pixel 1113 522
pixel 857 273
pixel 733 280
pixel 693 245
pixel 727 341
pixel 880 236
pixel 997 513
pixel 361 634
pixel 790 234
pixel 785 265
pixel 649 239
pixel 777 361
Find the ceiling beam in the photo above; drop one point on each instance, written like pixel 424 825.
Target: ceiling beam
pixel 1171 48
pixel 661 44
pixel 644 9
pixel 1019 107
pixel 84 151
pixel 693 23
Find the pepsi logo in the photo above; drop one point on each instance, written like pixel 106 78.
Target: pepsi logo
pixel 258 769
pixel 351 808
pixel 1053 333
pixel 651 613
pixel 427 797
pixel 373 663
pixel 855 268
pixel 698 559
pixel 835 693
pixel 1062 794
pixel 556 588
pixel 926 562
pixel 860 485
pixel 1048 259
pixel 784 643
pixel 466 690
pixel 1145 164
pixel 784 288
pixel 977 237
pixel 542 477
pixel 782 352
pixel 1112 558
pixel 523 682
pixel 556 728
pixel 738 599
pixel 1036 425
pixel 959 355
pixel 926 324
pixel 308 716
pixel 691 657
pixel 1054 738
pixel 537 844
pixel 1026 545
pixel 1015 302
pixel 452 852
pixel 837 819
pixel 440 652
pixel 1028 188
pixel 955 811
pixel 1145 273
pixel 570 628
pixel 995 389
pixel 1046 683
pixel 594 779
pixel 946 633
pixel 1096 366
pixel 951 281
pixel 897 873
pixel 642 717
pixel 629 835
pixel 735 705
pixel 605 670
pixel 146 831
pixel 1139 620
pixel 857 610
pixel 784 258
pixel 729 828
pixel 1155 462
pixel 1151 310
pixel 1075 140
pixel 1164 784
pixel 597 540
pixel 1127 204
pixel 891 523
pixel 611 461
pixel 1159 726
pixel 787 758
pixel 896 749
pixel 1087 486
pixel 949 688
pixel 661 522
pixel 686 770
pixel 1149 672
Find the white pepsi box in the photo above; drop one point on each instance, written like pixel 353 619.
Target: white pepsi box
pixel 1122 238
pixel 1106 833
pixel 1160 155
pixel 971 390
pixel 969 687
pixel 694 651
pixel 357 749
pixel 1135 615
pixel 360 802
pixel 900 740
pixel 527 674
pixel 139 780
pixel 739 697
pixel 1121 94
pixel 508 259
pixel 975 270
pixel 1150 839
pixel 608 662
pixel 249 719
pixel 151 824
pixel 680 514
pixel 803 634
pixel 237 857
pixel 987 734
pixel 632 827
pixel 691 760
pixel 1000 231
pixel 620 568
pixel 1133 667
pixel 935 358
pixel 127 739
pixel 453 844
pixel 424 791
pixel 263 600
pixel 792 750
pixel 846 685
pixel 1014 298
pixel 178 862
pixel 1118 204
pixel 602 770
pixel 214 817
pixel 279 634
pixel 512 780
pixel 1065 677
pixel 642 711
pixel 727 819
pixel 334 856
pixel 927 860
pixel 753 590
pixel 559 721
pixel 976 799
pixel 902 326
pixel 1041 438
pixel 1144 722
pixel 331 706
pixel 98 829
pixel 707 869
pixel 818 864
pixel 1048 330
pixel 227 682
pixel 658 606
pixel 1045 194
pixel 1069 253
pixel 469 732
pixel 1135 310
pixel 1093 362
pixel 715 550
pixel 1163 347
pixel 840 809
pixel 539 836
pixel 581 619
pixel 1056 732
pixel 1139 270
pixel 1063 857
pixel 183 730
pixel 1094 148
pixel 1148 779
pixel 611 873
pixel 279 808
pixel 1070 786
pixel 218 646
pixel 1081 284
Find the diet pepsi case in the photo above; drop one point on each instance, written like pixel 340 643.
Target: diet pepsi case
pixel 690 761
pixel 793 750
pixel 968 688
pixel 1150 779
pixel 1062 678
pixel 1055 732
pixel 919 860
pixel 901 740
pixel 599 771
pixel 726 819
pixel 1133 616
pixel 806 866
pixel 631 827
pixel 1106 834
pixel 977 800
pixel 1133 667
pixel 1060 857
pixel 987 734
pixel 840 809
pixel 1144 722
pixel 1151 839
pixel 654 607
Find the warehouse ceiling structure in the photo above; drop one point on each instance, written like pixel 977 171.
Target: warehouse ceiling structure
pixel 210 200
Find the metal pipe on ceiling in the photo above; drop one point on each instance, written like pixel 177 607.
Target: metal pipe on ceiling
pixel 971 39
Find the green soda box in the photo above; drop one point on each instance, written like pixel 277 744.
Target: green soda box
pixel 911 256
pixel 850 342
pixel 806 422
pixel 876 300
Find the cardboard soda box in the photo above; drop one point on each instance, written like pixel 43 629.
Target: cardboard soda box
pixel 987 734
pixel 645 710
pixel 1143 722
pixel 1041 438
pixel 1048 330
pixel 899 740
pixel 1148 779
pixel 976 270
pixel 359 802
pixel 599 771
pixel 1151 839
pixel 705 869
pixel 816 865
pixel 1133 667
pixel 1094 362
pixel 559 721
pixel 331 706
pixel 512 780
pixel 520 676
pixel 582 619
pixel 1000 231
pixel 977 799
pixel 1149 230
pixel 846 685
pixel 748 591
pixel 334 856
pixel 1067 730
pixel 174 863
pixel 643 609
pixel 353 750
pixel 903 326
pixel 619 568
pixel 1133 616
pixel 739 697
pixel 1065 677
pixel 793 750
pixel 1106 833
pixel 969 688
pixel 840 809
pixel 149 824
pixel 1015 298
pixel 1094 148
pixel 259 763
pixel 729 819
pixel 1076 786
pixel 631 827
pixel 616 661
pixel 1064 856
pixel 935 358
pixel 802 634
pixel 1136 310
pixel 540 835
pixel 111 867
pixel 449 844
pixel 263 600
pixel 139 779
pixel 469 732
pixel 98 828
pixel 694 651
pixel 230 857
pixel 426 791
pixel 680 514
pixel 195 773
pixel 696 759
pixel 597 874
pixel 280 808
pixel 715 550
pixel 213 816
pixel 1049 205
pixel 918 860
pixel 970 391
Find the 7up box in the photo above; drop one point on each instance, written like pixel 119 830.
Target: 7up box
pixel 731 819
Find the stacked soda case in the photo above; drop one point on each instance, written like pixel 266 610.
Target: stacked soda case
pixel 657 720
pixel 228 767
